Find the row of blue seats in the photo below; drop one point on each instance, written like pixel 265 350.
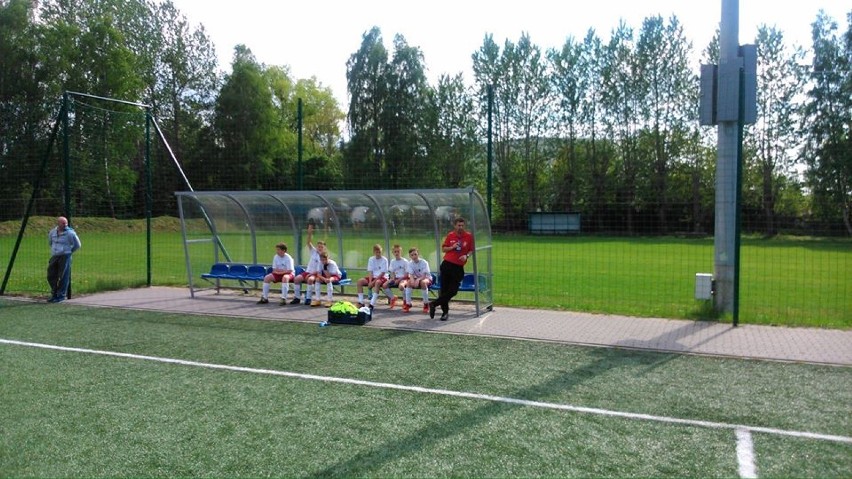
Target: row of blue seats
pixel 254 272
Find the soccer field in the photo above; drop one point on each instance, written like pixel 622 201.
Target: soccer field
pixel 111 392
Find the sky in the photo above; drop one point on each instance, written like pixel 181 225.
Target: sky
pixel 316 38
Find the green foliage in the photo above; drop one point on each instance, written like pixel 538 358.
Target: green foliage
pixel 828 149
pixel 607 129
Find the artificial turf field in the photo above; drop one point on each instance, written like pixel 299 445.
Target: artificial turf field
pixel 94 392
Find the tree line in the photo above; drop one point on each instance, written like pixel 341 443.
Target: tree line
pixel 608 128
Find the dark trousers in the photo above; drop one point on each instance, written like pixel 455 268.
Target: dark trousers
pixel 59 275
pixel 451 278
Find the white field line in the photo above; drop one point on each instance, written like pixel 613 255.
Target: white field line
pixel 745 454
pixel 445 392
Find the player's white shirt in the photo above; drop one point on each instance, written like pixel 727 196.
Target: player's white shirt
pixel 330 269
pixel 377 266
pixel 398 268
pixel 314 264
pixel 282 262
pixel 419 269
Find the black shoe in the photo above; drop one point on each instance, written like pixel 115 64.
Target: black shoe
pixel 432 310
pixel 283 302
pixel 263 301
pixel 444 317
pixel 296 301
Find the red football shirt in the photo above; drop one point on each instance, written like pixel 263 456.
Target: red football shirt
pixel 454 255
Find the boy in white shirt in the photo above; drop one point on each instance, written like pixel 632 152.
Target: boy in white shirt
pixel 398 268
pixel 282 272
pixel 419 276
pixel 328 274
pixel 377 271
pixel 312 268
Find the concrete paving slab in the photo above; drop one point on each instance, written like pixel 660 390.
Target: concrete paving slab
pixel 810 345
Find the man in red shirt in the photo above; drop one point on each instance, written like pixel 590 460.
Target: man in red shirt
pixel 457 248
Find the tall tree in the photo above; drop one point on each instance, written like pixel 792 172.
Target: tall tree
pixel 621 100
pixel 667 95
pixel 521 86
pixel 246 122
pixel 828 150
pixel 366 81
pixel 534 119
pixel 570 79
pixel 600 153
pixel 489 74
pixel 91 51
pixel 321 119
pixel 181 85
pixel 23 109
pixel 774 135
pixel 453 144
pixel 404 116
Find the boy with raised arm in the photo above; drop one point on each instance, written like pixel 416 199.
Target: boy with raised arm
pixel 311 269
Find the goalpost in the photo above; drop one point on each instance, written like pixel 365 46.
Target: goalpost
pixel 103 147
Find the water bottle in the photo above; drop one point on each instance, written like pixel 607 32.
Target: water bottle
pixel 323 324
pixel 458 245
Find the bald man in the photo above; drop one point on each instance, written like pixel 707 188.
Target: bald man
pixel 63 242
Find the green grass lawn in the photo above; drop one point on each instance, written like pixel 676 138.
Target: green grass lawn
pixel 77 414
pixel 784 281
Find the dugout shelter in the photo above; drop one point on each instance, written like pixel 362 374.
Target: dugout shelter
pixel 243 227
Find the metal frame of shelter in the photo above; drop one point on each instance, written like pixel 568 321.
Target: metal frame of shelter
pixel 244 227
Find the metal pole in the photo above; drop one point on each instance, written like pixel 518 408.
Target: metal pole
pixel 739 196
pixel 299 143
pixel 36 190
pixel 149 195
pixel 724 237
pixel 66 149
pixel 490 154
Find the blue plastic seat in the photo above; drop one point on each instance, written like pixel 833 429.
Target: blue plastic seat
pixel 467 284
pixel 239 271
pixel 344 279
pixel 218 270
pixel 256 272
pixel 436 282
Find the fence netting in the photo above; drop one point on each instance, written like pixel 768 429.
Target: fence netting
pixel 629 237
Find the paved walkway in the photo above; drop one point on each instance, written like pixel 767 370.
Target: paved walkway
pixel 821 346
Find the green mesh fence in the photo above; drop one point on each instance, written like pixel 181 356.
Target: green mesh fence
pixel 573 236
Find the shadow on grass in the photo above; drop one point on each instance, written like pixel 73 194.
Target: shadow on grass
pixel 704 311
pixel 370 462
